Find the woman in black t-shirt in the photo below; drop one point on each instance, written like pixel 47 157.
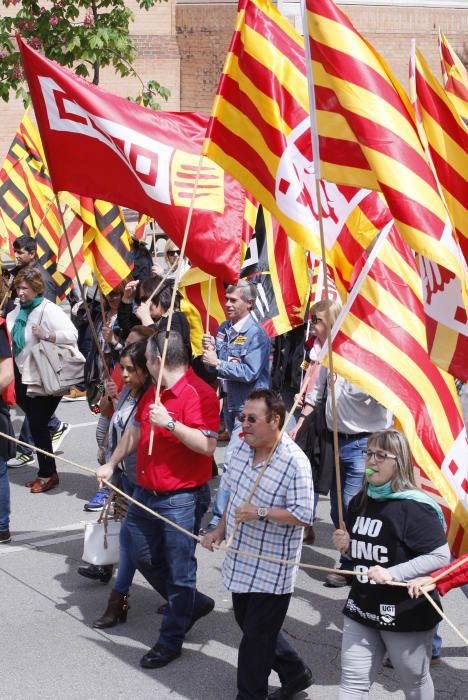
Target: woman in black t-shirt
pixel 393 532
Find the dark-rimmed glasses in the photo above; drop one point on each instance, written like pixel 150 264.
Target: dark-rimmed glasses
pixel 378 455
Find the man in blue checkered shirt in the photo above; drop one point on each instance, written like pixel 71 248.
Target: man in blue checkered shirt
pixel 272 525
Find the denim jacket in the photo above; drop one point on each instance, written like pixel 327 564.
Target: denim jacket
pixel 244 359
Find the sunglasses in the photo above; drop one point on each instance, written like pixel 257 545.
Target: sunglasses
pixel 243 418
pixel 171 253
pixel 378 455
pixel 316 319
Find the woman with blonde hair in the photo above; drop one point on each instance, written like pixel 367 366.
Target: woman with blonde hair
pixel 357 416
pixel 393 532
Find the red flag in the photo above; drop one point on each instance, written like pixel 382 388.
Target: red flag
pixel 103 146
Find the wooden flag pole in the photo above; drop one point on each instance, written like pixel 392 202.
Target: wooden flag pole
pixel 174 294
pixel 7 294
pixel 336 446
pixel 443 615
pixel 208 305
pixel 83 297
pixel 312 369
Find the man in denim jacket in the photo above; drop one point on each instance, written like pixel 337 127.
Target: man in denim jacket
pixel 239 355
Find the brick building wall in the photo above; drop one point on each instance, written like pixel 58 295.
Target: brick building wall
pixel 158 58
pixel 204 31
pixel 183 44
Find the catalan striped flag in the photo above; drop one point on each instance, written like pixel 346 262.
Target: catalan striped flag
pixel 194 289
pixel 259 129
pixel 140 228
pixel 355 238
pixel 27 200
pixel 368 135
pixel 381 347
pixel 447 142
pixel 455 77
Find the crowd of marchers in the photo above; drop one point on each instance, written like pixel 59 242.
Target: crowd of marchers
pixel 157 445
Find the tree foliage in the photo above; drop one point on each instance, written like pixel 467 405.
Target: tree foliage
pixel 84 35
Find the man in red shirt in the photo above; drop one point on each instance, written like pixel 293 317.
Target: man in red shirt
pixel 185 422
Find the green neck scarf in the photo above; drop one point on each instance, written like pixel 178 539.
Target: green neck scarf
pixel 18 340
pixel 384 492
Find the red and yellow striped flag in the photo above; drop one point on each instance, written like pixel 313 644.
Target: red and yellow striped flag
pixel 446 137
pixel 446 141
pixel 27 201
pixel 381 347
pixel 455 77
pixel 194 287
pixel 368 135
pixel 259 129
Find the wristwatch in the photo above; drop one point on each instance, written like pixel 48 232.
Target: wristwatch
pixel 171 426
pixel 262 513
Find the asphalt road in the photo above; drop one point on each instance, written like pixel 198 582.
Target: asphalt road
pixel 50 651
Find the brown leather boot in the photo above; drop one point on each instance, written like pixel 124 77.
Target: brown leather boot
pixel 116 611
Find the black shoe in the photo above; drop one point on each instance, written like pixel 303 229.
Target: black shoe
pixel 158 656
pixel 97 573
pixel 5 536
pixel 201 613
pixel 289 690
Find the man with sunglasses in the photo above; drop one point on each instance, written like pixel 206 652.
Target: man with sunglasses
pixel 238 355
pixel 270 523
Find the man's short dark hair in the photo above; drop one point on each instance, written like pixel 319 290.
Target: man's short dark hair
pixel 177 353
pixel 25 243
pixel 274 403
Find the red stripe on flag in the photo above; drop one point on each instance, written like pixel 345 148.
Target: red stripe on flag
pixel 264 26
pixel 403 340
pixel 273 137
pixel 238 149
pixel 401 386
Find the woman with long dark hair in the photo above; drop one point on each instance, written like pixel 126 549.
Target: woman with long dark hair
pixel 136 380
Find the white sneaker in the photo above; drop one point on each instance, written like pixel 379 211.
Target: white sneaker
pixel 58 436
pixel 21 460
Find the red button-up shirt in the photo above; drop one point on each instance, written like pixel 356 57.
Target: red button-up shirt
pixel 172 465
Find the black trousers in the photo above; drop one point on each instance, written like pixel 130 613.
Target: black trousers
pixel 39 410
pixel 263 648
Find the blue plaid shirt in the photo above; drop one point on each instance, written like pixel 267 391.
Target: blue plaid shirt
pixel 286 483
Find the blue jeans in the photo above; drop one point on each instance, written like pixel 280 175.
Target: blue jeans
pixel 4 496
pixel 436 642
pixel 166 558
pixel 352 469
pixel 229 418
pixel 221 498
pixel 127 568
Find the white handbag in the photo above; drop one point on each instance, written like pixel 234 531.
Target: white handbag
pixel 101 540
